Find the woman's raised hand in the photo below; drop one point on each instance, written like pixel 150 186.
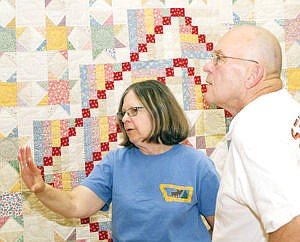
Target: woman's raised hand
pixel 31 175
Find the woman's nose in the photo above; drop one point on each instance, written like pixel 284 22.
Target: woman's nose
pixel 125 117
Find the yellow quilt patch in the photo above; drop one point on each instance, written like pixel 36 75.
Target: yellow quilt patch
pixel 8 94
pixel 293 79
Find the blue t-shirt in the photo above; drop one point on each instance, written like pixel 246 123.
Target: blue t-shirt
pixel 157 197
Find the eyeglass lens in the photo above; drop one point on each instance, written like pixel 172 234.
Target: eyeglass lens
pixel 131 112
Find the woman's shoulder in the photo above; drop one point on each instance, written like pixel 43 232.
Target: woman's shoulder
pixel 197 158
pixel 119 152
pixel 189 151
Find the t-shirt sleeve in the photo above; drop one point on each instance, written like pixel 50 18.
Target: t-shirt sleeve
pixel 209 186
pixel 100 180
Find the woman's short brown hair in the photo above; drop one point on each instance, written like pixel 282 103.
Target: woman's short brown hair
pixel 170 125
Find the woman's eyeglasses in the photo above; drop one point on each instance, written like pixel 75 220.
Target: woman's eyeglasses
pixel 131 112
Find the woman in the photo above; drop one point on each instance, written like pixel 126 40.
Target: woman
pixel 159 188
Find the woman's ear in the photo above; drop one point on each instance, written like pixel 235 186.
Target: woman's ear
pixel 256 75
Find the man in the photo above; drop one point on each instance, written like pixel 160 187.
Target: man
pixel 259 196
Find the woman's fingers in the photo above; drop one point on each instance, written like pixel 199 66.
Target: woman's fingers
pixel 29 161
pixel 25 157
pixel 28 152
pixel 21 157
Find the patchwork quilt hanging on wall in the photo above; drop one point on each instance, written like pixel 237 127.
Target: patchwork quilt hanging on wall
pixel 64 65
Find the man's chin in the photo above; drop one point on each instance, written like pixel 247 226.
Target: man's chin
pixel 208 99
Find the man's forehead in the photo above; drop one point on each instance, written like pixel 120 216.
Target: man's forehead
pixel 230 44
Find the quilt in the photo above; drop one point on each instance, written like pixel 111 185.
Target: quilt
pixel 64 65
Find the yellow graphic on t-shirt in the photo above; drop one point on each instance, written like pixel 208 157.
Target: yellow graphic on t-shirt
pixel 173 193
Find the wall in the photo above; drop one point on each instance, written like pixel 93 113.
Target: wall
pixel 64 65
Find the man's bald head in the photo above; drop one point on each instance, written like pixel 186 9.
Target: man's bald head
pixel 253 42
pixel 250 68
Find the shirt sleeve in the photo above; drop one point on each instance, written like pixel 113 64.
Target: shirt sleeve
pixel 209 186
pixel 271 184
pixel 100 180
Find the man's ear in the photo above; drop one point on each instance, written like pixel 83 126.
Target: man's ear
pixel 255 76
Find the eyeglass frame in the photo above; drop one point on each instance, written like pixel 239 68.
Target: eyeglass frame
pixel 217 55
pixel 131 112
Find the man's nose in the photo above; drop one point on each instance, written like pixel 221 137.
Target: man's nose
pixel 208 67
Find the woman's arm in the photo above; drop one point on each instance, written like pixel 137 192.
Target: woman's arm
pixel 80 202
pixel 211 221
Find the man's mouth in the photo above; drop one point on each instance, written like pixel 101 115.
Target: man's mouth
pixel 208 82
